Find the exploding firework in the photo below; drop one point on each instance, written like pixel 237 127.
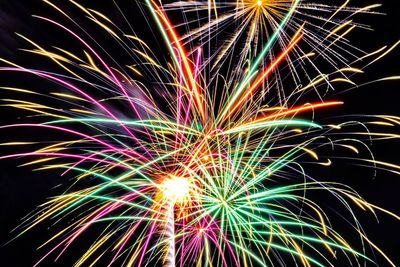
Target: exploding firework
pixel 195 159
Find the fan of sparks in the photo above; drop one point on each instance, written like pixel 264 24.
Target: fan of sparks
pixel 200 155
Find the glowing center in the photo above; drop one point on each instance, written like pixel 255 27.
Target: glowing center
pixel 259 3
pixel 176 189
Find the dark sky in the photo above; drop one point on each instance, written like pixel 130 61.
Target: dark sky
pixel 21 190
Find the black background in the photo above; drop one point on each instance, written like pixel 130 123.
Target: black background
pixel 22 190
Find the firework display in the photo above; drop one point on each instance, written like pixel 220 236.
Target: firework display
pixel 195 150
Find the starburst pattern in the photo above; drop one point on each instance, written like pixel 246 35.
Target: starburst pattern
pixel 201 160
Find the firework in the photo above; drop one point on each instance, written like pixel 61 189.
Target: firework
pixel 192 162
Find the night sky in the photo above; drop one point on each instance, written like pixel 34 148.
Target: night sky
pixel 22 190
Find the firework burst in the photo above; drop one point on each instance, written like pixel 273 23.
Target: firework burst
pixel 200 160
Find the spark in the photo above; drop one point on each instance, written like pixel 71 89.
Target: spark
pixel 175 189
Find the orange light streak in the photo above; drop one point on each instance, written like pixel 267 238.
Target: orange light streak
pixel 188 70
pixel 296 110
pixel 265 74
